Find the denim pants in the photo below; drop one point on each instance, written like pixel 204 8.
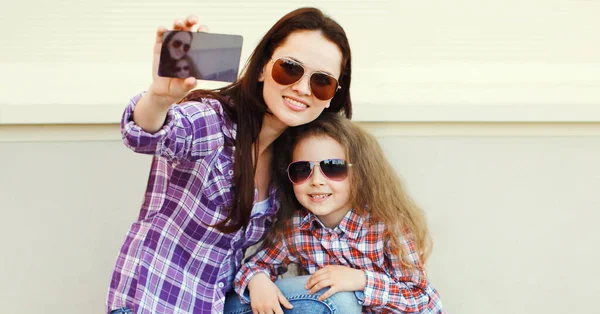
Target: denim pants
pixel 304 302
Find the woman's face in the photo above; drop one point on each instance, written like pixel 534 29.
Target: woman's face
pixel 182 69
pixel 179 45
pixel 295 104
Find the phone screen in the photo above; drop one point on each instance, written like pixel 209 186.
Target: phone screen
pixel 205 56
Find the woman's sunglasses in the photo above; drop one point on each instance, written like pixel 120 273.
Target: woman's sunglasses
pixel 184 68
pixel 287 71
pixel 333 169
pixel 177 43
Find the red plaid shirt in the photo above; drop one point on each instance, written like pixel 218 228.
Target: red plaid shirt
pixel 391 287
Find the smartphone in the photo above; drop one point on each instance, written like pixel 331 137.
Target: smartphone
pixel 205 56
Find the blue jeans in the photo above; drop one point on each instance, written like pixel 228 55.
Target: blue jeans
pixel 304 302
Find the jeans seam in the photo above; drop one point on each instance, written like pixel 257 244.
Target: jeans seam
pixel 241 311
pixel 313 297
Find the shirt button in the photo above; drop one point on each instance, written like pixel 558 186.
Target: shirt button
pixel 230 172
pixel 221 285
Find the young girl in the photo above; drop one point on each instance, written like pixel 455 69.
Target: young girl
pixel 348 222
pixel 185 68
pixel 210 194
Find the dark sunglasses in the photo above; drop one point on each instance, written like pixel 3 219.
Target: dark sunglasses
pixel 177 43
pixel 185 68
pixel 287 71
pixel 333 169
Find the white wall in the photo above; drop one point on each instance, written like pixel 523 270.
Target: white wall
pixel 513 210
pixel 69 61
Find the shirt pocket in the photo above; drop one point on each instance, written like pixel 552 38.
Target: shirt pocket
pixel 219 184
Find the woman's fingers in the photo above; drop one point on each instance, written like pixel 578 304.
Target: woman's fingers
pixel 160 32
pixel 189 83
pixel 178 25
pixel 180 87
pixel 190 21
pixel 174 88
pixel 203 28
pixel 186 24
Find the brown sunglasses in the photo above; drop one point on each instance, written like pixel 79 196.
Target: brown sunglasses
pixel 287 71
pixel 177 43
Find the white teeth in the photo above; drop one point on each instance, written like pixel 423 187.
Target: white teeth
pixel 320 196
pixel 296 103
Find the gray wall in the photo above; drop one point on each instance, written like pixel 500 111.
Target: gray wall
pixel 513 211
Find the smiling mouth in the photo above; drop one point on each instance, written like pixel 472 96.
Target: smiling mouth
pixel 319 196
pixel 295 103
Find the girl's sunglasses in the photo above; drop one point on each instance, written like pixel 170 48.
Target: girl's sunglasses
pixel 333 169
pixel 287 71
pixel 184 68
pixel 177 43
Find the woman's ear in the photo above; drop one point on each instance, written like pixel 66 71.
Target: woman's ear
pixel 261 76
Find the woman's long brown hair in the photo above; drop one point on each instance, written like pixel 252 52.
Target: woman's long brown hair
pixel 248 109
pixel 375 187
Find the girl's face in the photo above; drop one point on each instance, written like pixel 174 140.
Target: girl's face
pixel 179 45
pixel 182 69
pixel 295 104
pixel 326 198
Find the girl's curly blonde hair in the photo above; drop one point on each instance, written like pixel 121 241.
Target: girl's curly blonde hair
pixel 375 186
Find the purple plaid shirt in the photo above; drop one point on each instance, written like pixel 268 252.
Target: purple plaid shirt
pixel 172 261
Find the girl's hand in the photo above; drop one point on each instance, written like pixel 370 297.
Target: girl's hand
pixel 265 296
pixel 166 90
pixel 339 278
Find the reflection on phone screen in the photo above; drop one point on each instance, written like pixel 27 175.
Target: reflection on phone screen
pixel 205 56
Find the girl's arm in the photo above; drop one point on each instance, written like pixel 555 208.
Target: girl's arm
pixel 190 131
pixel 272 259
pixel 400 289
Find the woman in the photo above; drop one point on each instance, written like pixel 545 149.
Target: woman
pixel 209 195
pixel 175 48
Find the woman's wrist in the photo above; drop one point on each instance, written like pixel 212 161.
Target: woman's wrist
pixel 150 112
pixel 158 101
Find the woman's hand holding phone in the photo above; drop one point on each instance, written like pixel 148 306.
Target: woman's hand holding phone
pixel 172 89
pixel 151 111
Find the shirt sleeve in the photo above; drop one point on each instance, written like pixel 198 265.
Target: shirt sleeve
pixel 271 260
pixel 191 131
pixel 400 289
